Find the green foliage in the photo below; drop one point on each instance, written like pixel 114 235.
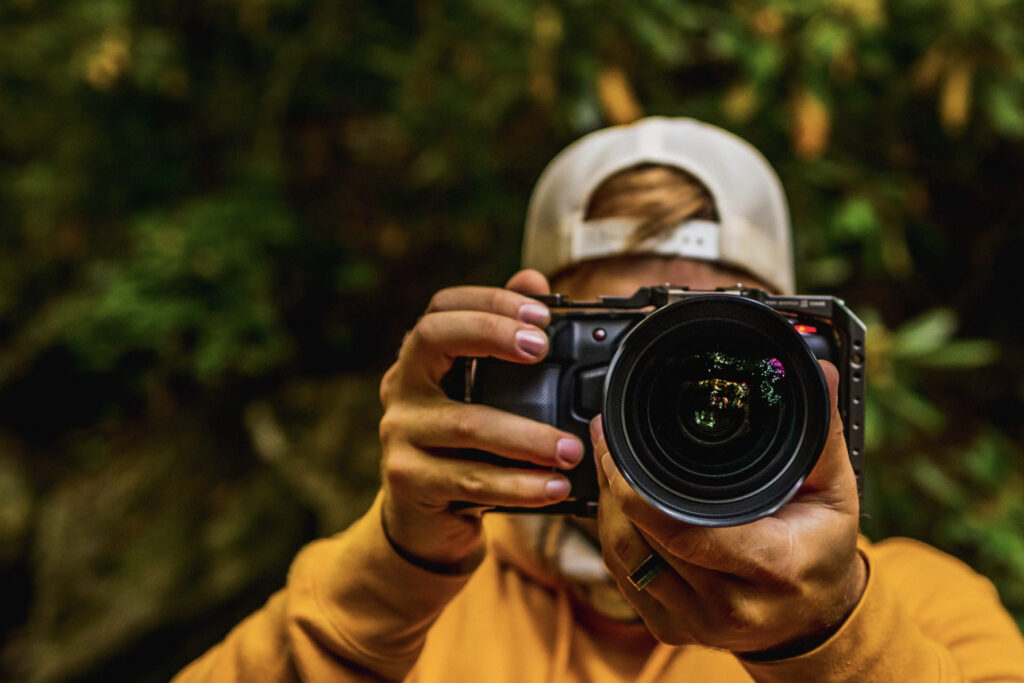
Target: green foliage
pixel 217 219
pixel 193 290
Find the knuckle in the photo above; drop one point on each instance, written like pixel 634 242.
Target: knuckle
pixel 473 486
pixel 439 299
pixel 463 424
pixel 499 300
pixel 528 489
pixel 621 544
pixel 733 619
pixel 632 505
pixel 388 428
pixel 387 385
pixel 739 618
pixel 422 332
pixel 691 542
pixel 413 339
pixel 398 472
pixel 490 326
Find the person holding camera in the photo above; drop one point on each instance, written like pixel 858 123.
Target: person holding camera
pixel 425 587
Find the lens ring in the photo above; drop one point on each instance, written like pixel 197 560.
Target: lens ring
pixel 729 480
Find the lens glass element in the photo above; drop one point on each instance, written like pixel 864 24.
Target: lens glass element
pixel 716 393
pixel 711 414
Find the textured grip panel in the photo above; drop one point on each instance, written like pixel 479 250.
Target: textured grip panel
pixel 527 390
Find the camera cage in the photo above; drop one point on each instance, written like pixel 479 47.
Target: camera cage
pixel 839 328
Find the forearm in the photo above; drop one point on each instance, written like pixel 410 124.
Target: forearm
pixel 939 623
pixel 352 610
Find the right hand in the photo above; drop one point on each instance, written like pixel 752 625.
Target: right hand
pixel 422 428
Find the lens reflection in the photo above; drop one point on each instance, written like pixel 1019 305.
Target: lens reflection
pixel 714 409
pixel 714 413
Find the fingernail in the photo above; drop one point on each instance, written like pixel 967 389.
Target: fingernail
pixel 607 465
pixel 569 452
pixel 535 314
pixel 531 342
pixel 557 489
pixel 596 429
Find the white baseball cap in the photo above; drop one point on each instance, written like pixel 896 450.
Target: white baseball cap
pixel 753 231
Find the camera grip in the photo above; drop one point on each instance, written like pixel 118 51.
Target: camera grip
pixel 530 391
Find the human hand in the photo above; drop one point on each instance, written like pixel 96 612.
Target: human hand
pixel 779 585
pixel 422 428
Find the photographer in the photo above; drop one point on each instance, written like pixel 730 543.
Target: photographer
pixel 424 587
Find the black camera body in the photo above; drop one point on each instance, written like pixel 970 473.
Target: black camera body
pixel 714 406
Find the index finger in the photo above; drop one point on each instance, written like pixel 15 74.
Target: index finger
pixel 491 300
pixel 742 550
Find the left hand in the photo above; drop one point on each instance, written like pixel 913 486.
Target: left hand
pixel 781 584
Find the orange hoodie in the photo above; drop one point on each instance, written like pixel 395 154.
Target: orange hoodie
pixel 353 610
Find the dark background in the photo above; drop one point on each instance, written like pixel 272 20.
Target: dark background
pixel 218 217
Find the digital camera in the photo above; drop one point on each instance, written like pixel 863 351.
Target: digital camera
pixel 714 406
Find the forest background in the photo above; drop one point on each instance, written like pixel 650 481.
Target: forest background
pixel 218 217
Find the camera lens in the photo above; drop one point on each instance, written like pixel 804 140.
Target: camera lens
pixel 715 410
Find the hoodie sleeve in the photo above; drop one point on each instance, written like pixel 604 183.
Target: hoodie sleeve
pixel 924 616
pixel 352 610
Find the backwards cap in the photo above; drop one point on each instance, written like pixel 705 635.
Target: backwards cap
pixel 753 231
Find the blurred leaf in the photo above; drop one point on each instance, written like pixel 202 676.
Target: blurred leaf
pixel 826 272
pixel 16 499
pixel 617 97
pixel 961 354
pixel 811 125
pixel 1005 107
pixel 900 402
pixel 924 335
pixel 763 62
pixel 985 460
pixel 825 39
pixel 936 483
pixel 658 37
pixel 740 102
pixel 955 99
pixel 856 218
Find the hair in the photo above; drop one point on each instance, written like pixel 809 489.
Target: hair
pixel 660 196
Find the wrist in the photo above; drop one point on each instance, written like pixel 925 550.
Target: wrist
pixel 807 642
pixel 793 648
pixel 461 566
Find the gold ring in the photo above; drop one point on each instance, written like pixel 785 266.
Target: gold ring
pixel 645 573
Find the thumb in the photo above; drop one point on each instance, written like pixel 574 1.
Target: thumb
pixel 529 281
pixel 599 449
pixel 833 471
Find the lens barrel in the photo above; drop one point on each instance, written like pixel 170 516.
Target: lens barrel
pixel 715 410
